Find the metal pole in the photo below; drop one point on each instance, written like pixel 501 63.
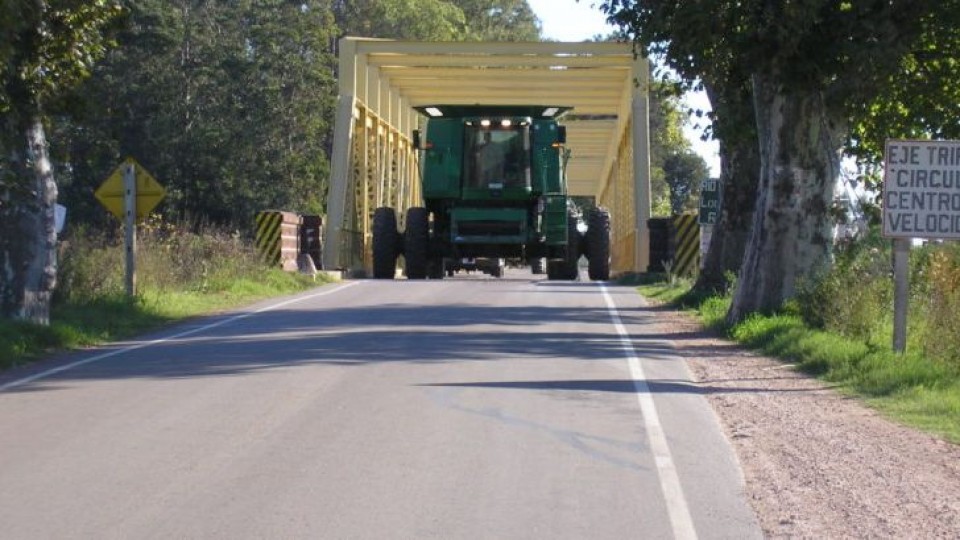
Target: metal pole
pixel 901 292
pixel 640 133
pixel 130 223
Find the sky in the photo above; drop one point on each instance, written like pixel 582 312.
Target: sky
pixel 569 20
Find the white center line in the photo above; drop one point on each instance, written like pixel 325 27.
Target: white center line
pixel 97 358
pixel 680 519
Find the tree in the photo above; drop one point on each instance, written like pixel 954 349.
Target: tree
pixel 227 104
pixel 684 172
pixel 666 139
pixel 424 20
pixel 920 100
pixel 808 62
pixel 735 129
pixel 438 20
pixel 499 20
pixel 46 48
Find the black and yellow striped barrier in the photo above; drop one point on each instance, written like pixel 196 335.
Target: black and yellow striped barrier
pixel 686 244
pixel 278 237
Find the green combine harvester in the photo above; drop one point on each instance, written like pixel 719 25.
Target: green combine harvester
pixel 494 188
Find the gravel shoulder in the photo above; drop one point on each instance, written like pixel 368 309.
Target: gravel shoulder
pixel 818 464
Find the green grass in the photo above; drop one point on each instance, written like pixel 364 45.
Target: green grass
pixel 76 324
pixel 667 293
pixel 909 388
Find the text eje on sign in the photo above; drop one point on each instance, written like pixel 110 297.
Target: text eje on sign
pixel 921 189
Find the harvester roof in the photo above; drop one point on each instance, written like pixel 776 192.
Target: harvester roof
pixel 477 111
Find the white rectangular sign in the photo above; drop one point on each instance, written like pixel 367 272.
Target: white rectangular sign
pixel 921 189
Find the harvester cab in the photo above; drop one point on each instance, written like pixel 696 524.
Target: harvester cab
pixel 493 188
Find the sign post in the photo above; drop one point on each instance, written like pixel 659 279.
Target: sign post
pixel 130 227
pixel 130 193
pixel 921 199
pixel 901 292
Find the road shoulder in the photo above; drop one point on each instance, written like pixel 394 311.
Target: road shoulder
pixel 817 463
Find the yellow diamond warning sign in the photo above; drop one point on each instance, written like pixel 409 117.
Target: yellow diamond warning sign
pixel 149 191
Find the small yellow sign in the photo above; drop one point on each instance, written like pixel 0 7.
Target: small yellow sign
pixel 149 191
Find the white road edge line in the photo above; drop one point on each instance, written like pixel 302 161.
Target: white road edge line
pixel 54 371
pixel 680 518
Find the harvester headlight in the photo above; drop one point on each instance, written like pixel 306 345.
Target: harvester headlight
pixel 433 111
pixel 505 123
pixel 485 123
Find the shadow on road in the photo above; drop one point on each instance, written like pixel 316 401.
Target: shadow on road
pixel 389 333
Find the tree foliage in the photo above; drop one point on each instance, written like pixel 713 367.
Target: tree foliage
pixel 667 141
pixel 48 46
pixel 425 20
pixel 684 172
pixel 438 20
pixel 229 105
pixel 920 100
pixel 499 20
pixel 810 64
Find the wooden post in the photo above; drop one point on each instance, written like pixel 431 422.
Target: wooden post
pixel 130 223
pixel 901 292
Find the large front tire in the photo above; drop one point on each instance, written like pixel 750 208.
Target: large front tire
pixel 567 268
pixel 416 243
pixel 598 244
pixel 384 243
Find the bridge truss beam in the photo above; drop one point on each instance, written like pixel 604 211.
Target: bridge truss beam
pixel 374 163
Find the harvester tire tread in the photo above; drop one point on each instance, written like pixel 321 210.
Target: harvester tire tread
pixel 416 243
pixel 384 243
pixel 598 244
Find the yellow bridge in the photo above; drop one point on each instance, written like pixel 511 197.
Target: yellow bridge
pixel 381 81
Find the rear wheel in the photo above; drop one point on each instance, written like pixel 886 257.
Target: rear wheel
pixel 416 243
pixel 384 243
pixel 598 244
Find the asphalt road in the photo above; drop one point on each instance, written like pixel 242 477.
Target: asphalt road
pixel 467 408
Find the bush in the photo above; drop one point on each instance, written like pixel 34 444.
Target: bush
pixel 939 306
pixel 90 266
pixel 169 257
pixel 855 297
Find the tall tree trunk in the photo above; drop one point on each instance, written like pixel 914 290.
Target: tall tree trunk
pixel 28 239
pixel 800 142
pixel 739 177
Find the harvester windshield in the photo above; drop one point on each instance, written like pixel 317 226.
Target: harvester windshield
pixel 496 156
